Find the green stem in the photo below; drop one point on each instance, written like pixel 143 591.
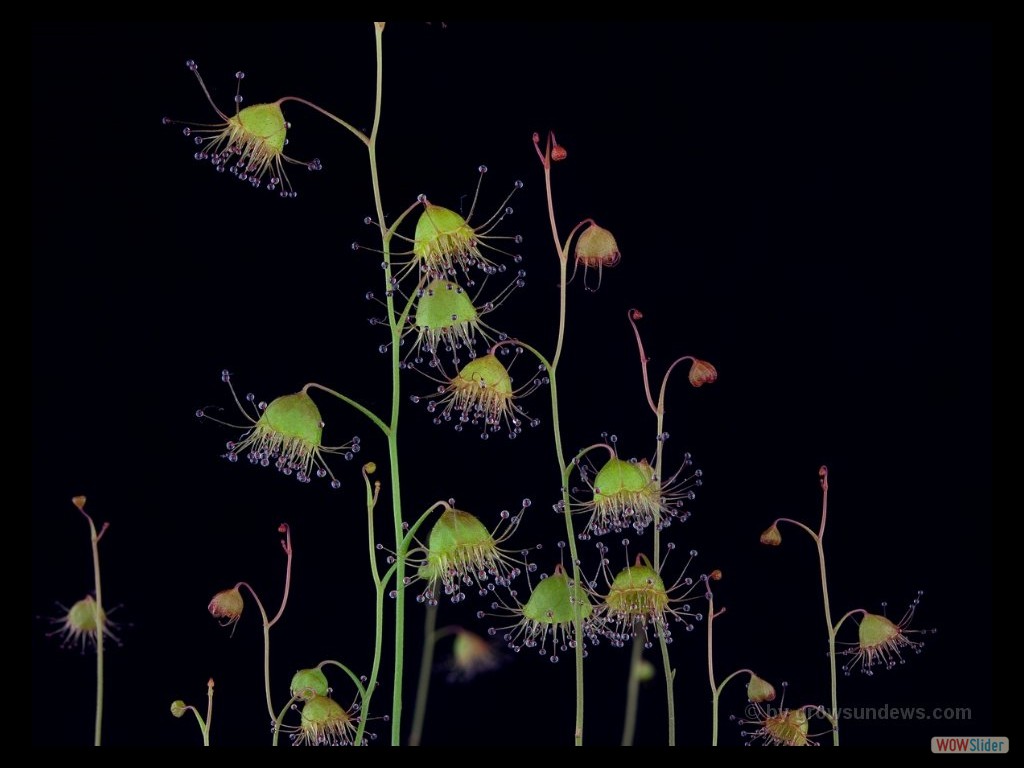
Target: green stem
pixel 392 434
pixel 209 713
pixel 426 665
pixel 345 399
pixel 633 689
pixel 279 718
pixel 266 645
pixel 372 493
pixel 819 541
pixel 670 676
pixel 578 593
pixel 330 115
pixel 716 693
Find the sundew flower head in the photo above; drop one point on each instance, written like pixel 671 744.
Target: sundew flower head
pixel 782 726
pixel 546 620
pixel 287 432
pixel 636 600
pixel 324 722
pixel 446 244
pixel 82 624
pixel 249 144
pixel 461 551
pixel 447 319
pixel 481 395
pixel 882 642
pixel 627 494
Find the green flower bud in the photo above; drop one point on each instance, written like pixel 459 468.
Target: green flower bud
pixel 307 683
pixel 759 689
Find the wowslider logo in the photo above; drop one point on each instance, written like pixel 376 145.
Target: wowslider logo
pixel 970 744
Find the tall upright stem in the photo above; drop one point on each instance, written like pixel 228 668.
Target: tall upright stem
pixel 578 594
pixel 101 628
pixel 396 338
pixel 820 543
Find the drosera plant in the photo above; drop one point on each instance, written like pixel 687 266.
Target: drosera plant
pixel 435 298
pixel 880 641
pixel 87 624
pixel 444 279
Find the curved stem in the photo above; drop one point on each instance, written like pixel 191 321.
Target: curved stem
pixel 331 116
pixel 430 637
pixel 266 645
pixel 287 545
pixel 633 315
pixel 633 689
pixel 352 675
pixel 202 726
pixel 359 407
pixel 800 525
pixel 847 615
pixel 279 718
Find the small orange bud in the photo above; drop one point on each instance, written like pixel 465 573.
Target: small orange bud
pixel 715 575
pixel 702 372
pixel 771 537
pixel 558 153
pixel 79 501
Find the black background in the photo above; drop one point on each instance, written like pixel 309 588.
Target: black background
pixel 808 206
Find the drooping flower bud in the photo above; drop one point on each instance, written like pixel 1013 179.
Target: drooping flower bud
pixel 702 372
pixel 596 249
pixel 178 708
pixel 759 689
pixel 771 536
pixel 307 683
pixel 227 605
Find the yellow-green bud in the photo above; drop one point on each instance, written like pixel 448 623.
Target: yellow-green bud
pixel 307 683
pixel 759 689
